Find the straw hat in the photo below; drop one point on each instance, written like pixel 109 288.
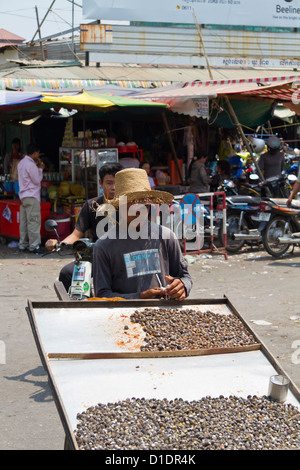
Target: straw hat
pixel 132 185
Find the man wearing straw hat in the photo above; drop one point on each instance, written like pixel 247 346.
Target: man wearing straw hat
pixel 137 258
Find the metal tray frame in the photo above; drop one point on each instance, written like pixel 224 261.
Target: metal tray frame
pixel 70 441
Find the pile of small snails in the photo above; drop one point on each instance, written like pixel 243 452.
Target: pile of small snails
pixel 227 423
pixel 169 329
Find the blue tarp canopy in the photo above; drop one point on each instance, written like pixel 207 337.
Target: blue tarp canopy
pixel 9 98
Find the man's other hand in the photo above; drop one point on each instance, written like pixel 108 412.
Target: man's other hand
pixel 175 289
pixel 51 244
pixel 152 293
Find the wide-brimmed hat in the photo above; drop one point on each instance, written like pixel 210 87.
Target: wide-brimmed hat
pixel 132 185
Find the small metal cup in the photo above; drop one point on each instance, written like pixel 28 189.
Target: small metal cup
pixel 278 388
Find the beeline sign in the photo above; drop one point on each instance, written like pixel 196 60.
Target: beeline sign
pixel 287 10
pixel 225 12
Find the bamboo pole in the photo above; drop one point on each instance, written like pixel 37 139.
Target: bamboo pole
pixel 202 44
pixel 245 140
pixel 166 124
pixel 232 112
pixel 39 27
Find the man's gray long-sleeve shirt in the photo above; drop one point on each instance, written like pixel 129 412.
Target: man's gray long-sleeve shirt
pixel 125 268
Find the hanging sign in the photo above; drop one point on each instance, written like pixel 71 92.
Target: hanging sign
pixel 201 107
pixel 270 13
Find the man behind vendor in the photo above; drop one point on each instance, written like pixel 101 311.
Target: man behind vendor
pixel 30 175
pixel 87 221
pixel 138 267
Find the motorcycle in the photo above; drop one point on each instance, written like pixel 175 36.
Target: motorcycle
pixel 282 226
pixel 244 221
pixel 81 285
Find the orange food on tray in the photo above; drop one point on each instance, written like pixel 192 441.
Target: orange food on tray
pixel 113 299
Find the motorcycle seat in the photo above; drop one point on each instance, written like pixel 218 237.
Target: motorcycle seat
pixel 280 201
pixel 250 200
pixel 296 203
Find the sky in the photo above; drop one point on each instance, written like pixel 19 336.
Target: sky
pixel 19 17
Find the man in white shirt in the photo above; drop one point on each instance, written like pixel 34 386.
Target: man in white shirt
pixel 30 175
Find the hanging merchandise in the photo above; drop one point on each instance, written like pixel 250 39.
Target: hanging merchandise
pixel 68 135
pixel 188 140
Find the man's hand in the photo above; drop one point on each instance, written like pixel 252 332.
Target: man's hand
pixel 152 293
pixel 295 190
pixel 175 290
pixel 39 163
pixel 51 244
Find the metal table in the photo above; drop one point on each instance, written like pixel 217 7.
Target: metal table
pixel 82 348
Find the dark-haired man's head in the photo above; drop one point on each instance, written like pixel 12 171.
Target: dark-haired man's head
pixel 107 178
pixel 31 149
pixel 33 152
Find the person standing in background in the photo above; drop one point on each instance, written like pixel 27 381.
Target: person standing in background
pixel 146 166
pixel 271 162
pixel 13 156
pixel 198 177
pixel 87 220
pixel 30 174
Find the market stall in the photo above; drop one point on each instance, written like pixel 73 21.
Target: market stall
pixel 241 104
pixel 102 355
pixel 10 218
pixel 81 153
pixel 235 104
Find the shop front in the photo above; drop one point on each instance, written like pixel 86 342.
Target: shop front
pixel 165 137
pixel 73 147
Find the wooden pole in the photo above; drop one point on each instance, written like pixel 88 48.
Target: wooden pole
pixel 202 44
pixel 245 140
pixel 172 145
pixel 39 30
pixel 49 9
pixel 232 112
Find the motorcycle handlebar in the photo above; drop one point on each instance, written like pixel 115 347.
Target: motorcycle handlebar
pixel 59 247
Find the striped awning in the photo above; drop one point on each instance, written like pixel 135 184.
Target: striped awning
pixel 66 83
pixel 284 91
pixel 278 88
pixel 185 99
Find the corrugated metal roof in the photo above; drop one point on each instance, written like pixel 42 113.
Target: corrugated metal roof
pixel 131 75
pixel 61 77
pixel 182 46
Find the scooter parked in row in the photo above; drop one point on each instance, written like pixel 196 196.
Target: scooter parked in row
pixel 281 226
pixel 81 286
pixel 244 221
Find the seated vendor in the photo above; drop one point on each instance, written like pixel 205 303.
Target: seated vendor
pixel 146 266
pixel 87 221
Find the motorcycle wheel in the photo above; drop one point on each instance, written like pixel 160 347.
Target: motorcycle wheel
pixel 273 230
pixel 232 223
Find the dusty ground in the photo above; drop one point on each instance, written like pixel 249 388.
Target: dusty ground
pixel 264 291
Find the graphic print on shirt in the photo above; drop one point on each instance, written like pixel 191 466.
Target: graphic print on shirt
pixel 139 263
